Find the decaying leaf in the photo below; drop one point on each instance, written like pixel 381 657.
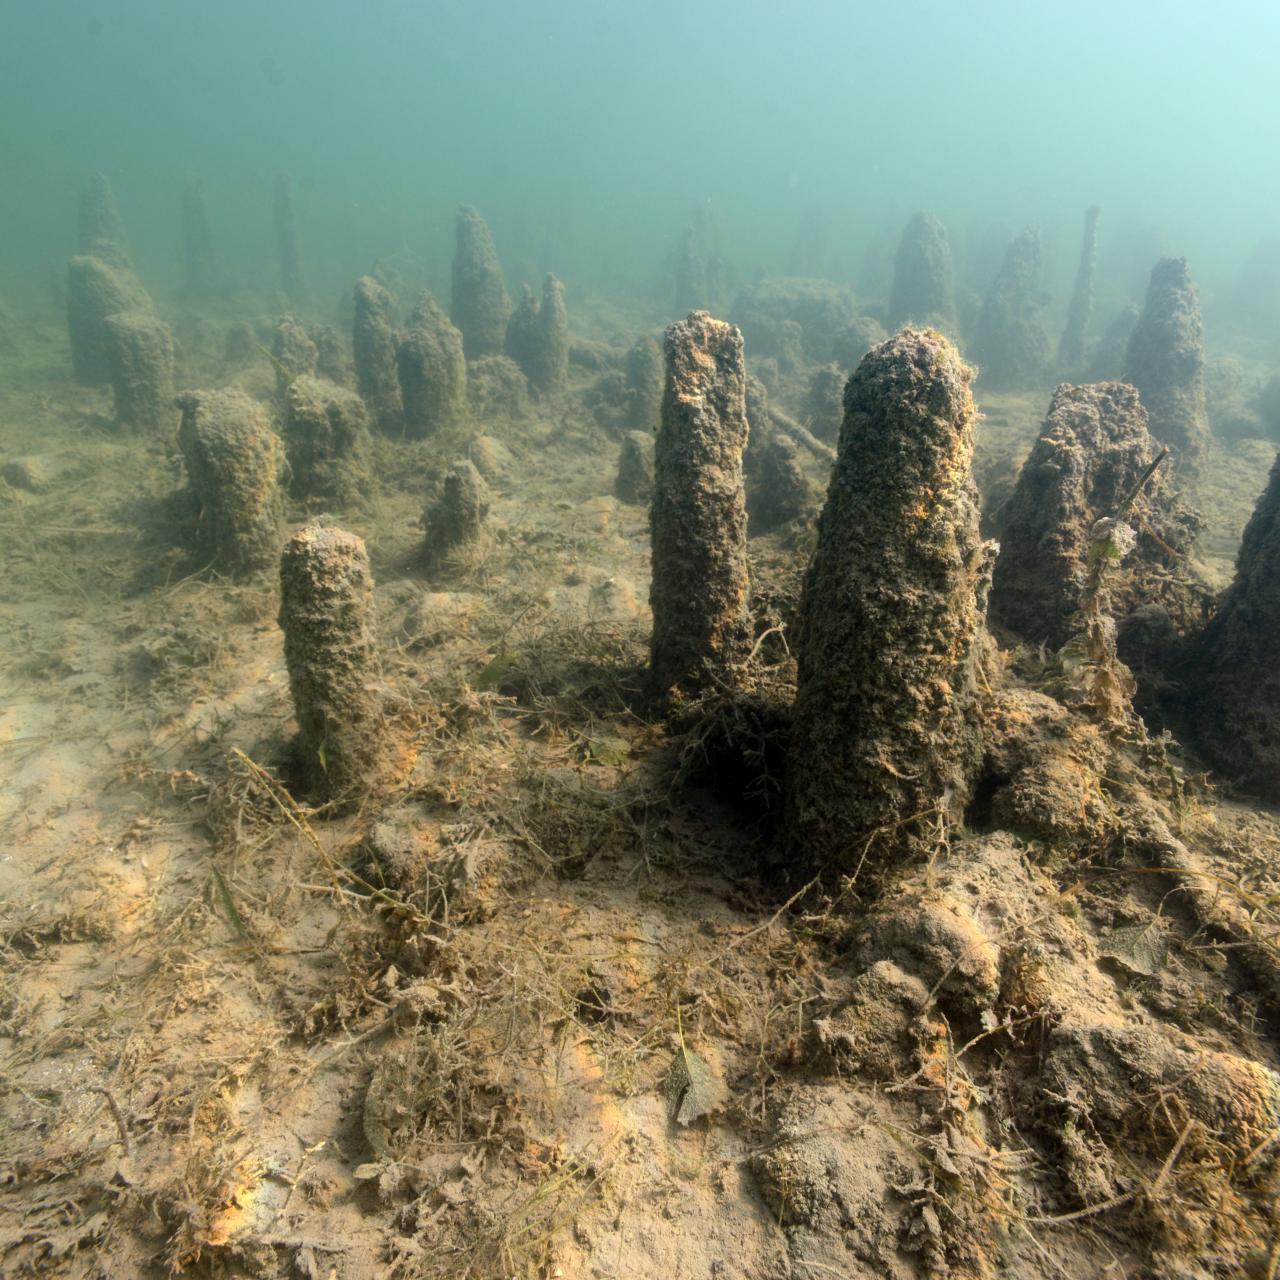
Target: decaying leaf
pixel 1142 948
pixel 692 1090
pixel 607 750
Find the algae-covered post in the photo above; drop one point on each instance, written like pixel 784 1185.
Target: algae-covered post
pixel 96 290
pixel 1107 355
pixel 239 345
pixel 1093 450
pixel 480 306
pixel 644 385
pixel 1080 310
pixel 889 635
pixel 634 481
pixel 1165 361
pixel 288 240
pixel 373 341
pixel 432 371
pixel 330 650
pixel 331 355
pixel 923 292
pixel 549 350
pixel 759 421
pixel 698 521
pixel 326 438
pixel 779 491
pixel 521 329
pixel 101 229
pixel 295 353
pixel 140 355
pixel 235 464
pixel 1234 683
pixel 458 515
pixel 197 239
pixel 824 403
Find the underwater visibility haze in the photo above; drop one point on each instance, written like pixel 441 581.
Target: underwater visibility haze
pixel 639 640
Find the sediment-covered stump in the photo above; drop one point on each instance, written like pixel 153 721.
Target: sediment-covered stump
pixel 497 388
pixel 792 320
pixel 1011 345
pixel 1093 450
pixel 645 381
pixel 923 292
pixel 824 404
pixel 295 353
pixel 480 306
pixel 330 650
pixel 101 232
pixel 373 340
pixel 759 421
pixel 1234 681
pixel 1071 346
pixel 634 482
pixel 1108 354
pixel 331 355
pixel 140 354
pixel 779 491
pixel 96 290
pixel 884 741
pixel 432 371
pixel 1165 361
pixel 458 515
pixel 548 368
pixel 521 330
pixel 855 339
pixel 235 463
pixel 698 521
pixel 239 345
pixel 326 437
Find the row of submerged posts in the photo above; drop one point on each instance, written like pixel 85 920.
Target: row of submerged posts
pixel 411 382
pixel 891 634
pixel 891 630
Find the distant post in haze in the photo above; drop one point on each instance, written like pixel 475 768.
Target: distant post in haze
pixel 1011 345
pixel 101 229
pixel 197 239
pixel 432 370
pixel 294 351
pixel 1165 361
pixel 288 240
pixel 479 305
pixel 923 292
pixel 1080 309
pixel 373 341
